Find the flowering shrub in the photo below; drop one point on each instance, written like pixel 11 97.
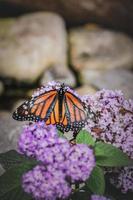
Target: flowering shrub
pixel 47 166
pixel 113 124
pixel 46 183
pixel 34 136
pixel 60 161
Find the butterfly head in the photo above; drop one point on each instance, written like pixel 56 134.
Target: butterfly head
pixel 63 85
pixel 62 89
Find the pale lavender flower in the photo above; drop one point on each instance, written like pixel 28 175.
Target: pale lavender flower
pixel 124 179
pixel 52 150
pixel 76 161
pixel 33 135
pixel 46 183
pixel 42 142
pixel 57 156
pixel 98 197
pixel 80 162
pixel 113 124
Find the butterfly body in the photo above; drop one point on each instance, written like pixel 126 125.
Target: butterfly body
pixel 57 106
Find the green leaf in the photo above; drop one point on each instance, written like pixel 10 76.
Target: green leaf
pixel 16 194
pixel 110 156
pixel 85 138
pixel 96 182
pixel 10 182
pixel 11 179
pixel 12 158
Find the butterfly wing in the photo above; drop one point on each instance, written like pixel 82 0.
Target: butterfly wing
pixel 54 115
pixel 67 111
pixel 38 108
pixel 57 116
pixel 75 107
pixel 73 113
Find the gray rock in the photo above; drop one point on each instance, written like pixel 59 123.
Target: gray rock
pixel 30 44
pixel 9 131
pixel 86 90
pixel 116 79
pixel 58 74
pixel 114 13
pixel 92 47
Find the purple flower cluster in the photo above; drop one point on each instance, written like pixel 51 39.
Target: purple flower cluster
pixel 46 182
pixel 123 178
pixel 57 156
pixel 113 123
pixel 80 162
pixel 34 135
pixel 98 197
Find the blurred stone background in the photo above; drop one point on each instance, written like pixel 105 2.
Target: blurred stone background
pixel 88 44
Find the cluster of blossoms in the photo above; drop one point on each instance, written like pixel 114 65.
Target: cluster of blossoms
pixel 61 164
pixel 113 123
pixel 97 197
pixel 46 182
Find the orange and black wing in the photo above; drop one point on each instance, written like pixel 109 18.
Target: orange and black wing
pixel 58 116
pixel 38 108
pixel 73 113
pixel 67 113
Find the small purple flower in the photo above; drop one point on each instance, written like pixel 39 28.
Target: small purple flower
pixel 59 160
pixel 42 143
pixel 80 162
pixel 33 135
pixel 113 124
pixel 46 183
pixel 124 179
pixel 52 150
pixel 98 197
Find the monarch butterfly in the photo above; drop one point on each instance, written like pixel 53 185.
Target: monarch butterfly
pixel 54 104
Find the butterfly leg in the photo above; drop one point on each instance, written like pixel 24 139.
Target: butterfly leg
pixel 75 133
